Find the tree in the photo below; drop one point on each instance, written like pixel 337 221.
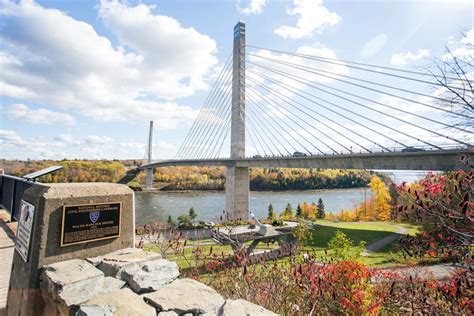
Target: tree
pixel 271 214
pixel 453 72
pixel 382 201
pixel 192 214
pixel 170 220
pixel 320 208
pixel 287 212
pixel 184 220
pixel 299 211
pixel 342 247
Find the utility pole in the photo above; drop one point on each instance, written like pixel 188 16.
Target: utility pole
pixel 149 170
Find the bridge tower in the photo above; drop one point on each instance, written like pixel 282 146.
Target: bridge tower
pixel 237 178
pixel 149 170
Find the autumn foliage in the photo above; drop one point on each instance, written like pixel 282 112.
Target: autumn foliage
pixel 376 208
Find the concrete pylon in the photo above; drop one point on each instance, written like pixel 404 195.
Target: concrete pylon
pixel 237 178
pixel 149 171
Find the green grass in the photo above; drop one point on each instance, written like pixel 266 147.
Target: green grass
pixel 324 231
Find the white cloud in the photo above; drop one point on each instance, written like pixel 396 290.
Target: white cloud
pixel 23 113
pixel 374 45
pixel 312 16
pixel 462 49
pixel 251 6
pixel 404 58
pixel 276 61
pixel 94 139
pixel 79 69
pixel 67 138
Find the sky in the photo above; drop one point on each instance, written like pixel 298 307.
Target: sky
pixel 82 79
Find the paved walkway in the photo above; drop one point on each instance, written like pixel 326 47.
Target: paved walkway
pixel 6 254
pixel 379 244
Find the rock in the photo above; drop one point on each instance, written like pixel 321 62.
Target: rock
pixel 110 284
pixel 111 264
pixel 123 302
pixel 170 313
pixel 150 275
pixel 243 307
pixel 71 282
pixel 186 296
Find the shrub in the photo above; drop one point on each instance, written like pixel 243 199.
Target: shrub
pixel 342 248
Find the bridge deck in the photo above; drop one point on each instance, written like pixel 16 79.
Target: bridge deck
pixel 424 160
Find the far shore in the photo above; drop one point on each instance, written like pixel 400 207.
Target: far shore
pixel 157 191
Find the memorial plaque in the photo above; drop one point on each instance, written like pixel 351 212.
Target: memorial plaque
pixel 90 222
pixel 25 224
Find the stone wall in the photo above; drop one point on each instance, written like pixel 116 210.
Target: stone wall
pixel 131 282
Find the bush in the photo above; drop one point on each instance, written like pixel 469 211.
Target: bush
pixel 342 248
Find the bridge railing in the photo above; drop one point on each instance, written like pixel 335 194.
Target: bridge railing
pixel 11 193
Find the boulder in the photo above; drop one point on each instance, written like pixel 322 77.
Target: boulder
pixel 243 307
pixel 71 282
pixel 150 275
pixel 123 302
pixel 186 296
pixel 113 263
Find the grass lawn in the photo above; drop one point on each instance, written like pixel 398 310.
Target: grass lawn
pixel 324 231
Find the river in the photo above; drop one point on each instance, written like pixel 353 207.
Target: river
pixel 209 205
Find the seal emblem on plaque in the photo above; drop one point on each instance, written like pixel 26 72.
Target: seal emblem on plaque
pixel 94 216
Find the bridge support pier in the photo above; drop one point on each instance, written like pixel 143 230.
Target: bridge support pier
pixel 237 193
pixel 237 180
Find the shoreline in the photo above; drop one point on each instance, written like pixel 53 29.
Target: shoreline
pixel 258 191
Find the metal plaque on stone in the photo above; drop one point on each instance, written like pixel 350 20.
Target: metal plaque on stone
pixel 25 225
pixel 90 222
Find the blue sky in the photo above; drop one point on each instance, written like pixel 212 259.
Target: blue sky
pixel 81 79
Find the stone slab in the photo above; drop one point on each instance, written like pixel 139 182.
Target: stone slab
pixel 150 275
pixel 186 296
pixel 243 307
pixel 123 302
pixel 113 263
pixel 71 282
pixel 75 281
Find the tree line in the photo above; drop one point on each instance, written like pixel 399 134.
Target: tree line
pixel 193 177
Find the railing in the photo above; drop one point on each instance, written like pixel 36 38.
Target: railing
pixel 11 193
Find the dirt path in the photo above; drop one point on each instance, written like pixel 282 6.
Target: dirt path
pixel 379 244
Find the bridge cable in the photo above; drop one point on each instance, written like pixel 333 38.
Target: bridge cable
pixel 199 121
pixel 276 106
pixel 217 107
pixel 289 76
pixel 263 127
pixel 332 139
pixel 350 63
pixel 304 147
pixel 214 125
pixel 332 111
pixel 284 99
pixel 211 120
pixel 318 71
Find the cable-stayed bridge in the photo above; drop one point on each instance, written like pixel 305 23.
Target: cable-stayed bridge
pixel 311 110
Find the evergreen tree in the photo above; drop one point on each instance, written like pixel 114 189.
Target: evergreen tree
pixel 288 212
pixel 170 220
pixel 192 214
pixel 321 212
pixel 299 211
pixel 271 214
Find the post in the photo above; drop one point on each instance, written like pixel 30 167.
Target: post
pixel 237 179
pixel 149 170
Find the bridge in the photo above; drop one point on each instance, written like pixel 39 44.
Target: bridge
pixel 301 110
